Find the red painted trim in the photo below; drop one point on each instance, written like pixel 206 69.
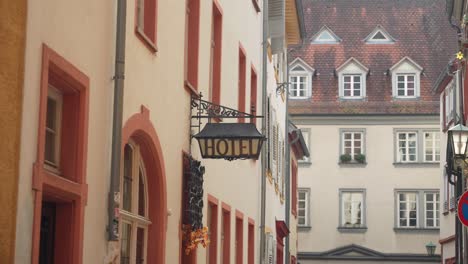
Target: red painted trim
pixel 294 189
pixel 212 199
pixel 251 241
pixel 217 17
pixel 253 93
pixel 140 129
pixel 226 242
pixel 192 257
pixel 239 237
pixel 149 34
pixel 242 81
pixel 213 247
pixel 447 240
pixel 70 187
pixel 218 6
pixel 192 43
pixel 226 207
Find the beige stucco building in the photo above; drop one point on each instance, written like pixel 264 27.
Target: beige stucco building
pixel 72 196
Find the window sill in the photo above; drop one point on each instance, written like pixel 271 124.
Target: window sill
pixel 299 98
pixel 303 228
pixel 352 164
pixel 352 229
pixel 395 98
pixel 417 164
pixel 147 41
pixel 353 98
pixel 445 213
pixel 415 230
pixel 304 163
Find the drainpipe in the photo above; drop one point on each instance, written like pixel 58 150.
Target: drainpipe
pixel 113 199
pixel 264 129
pixel 288 164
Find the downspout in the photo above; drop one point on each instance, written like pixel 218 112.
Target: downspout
pixel 264 129
pixel 287 165
pixel 113 199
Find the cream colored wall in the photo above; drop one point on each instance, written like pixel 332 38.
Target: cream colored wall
pixel 379 177
pixel 236 183
pixel 447 221
pixel 82 32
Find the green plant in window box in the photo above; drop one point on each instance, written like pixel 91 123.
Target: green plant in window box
pixel 345 158
pixel 361 158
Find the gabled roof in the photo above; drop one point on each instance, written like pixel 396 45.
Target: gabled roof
pixel 352 60
pixel 422 35
pixel 302 63
pixel 407 59
pixel 359 253
pixel 325 36
pixel 379 36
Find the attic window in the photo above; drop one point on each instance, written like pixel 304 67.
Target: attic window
pixel 325 36
pixel 379 36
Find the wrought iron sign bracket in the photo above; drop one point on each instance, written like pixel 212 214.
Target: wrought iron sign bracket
pixel 282 87
pixel 202 109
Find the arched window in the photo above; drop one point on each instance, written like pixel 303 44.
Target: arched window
pixel 134 208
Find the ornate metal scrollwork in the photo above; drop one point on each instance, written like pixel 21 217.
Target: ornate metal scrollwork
pixel 207 109
pixel 194 194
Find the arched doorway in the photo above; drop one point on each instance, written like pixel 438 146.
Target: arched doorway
pixel 143 193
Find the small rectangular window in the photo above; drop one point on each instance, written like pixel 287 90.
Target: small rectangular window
pixel 407 209
pixel 406 85
pixel 431 146
pixel 192 23
pixel 306 136
pixel 303 208
pixel 407 147
pixel 146 22
pixel 352 208
pixel 352 85
pixel 53 128
pixel 216 43
pixel 298 86
pixel 352 143
pixel 432 209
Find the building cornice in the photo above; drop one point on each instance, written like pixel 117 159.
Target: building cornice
pixel 366 119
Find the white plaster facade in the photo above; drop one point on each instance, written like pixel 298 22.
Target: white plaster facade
pixel 380 177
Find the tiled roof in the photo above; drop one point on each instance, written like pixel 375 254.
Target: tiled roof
pixel 422 33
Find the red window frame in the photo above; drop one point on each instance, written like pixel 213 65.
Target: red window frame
pixel 253 93
pixel 148 35
pixel 213 229
pixel 70 186
pixel 239 237
pixel 192 42
pixel 294 189
pixel 241 80
pixel 251 242
pixel 226 242
pixel 217 17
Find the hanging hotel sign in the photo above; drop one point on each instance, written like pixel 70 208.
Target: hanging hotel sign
pixel 228 141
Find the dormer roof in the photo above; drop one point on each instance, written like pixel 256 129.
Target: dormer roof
pixel 410 61
pixel 379 36
pixel 298 62
pixel 325 36
pixel 351 61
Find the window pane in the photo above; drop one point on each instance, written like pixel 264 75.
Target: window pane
pixel 127 182
pixel 49 152
pixel 51 113
pixel 141 194
pixel 125 244
pixel 140 244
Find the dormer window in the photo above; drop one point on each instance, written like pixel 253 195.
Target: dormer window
pixel 379 36
pixel 300 79
pixel 352 79
pixel 325 36
pixel 406 79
